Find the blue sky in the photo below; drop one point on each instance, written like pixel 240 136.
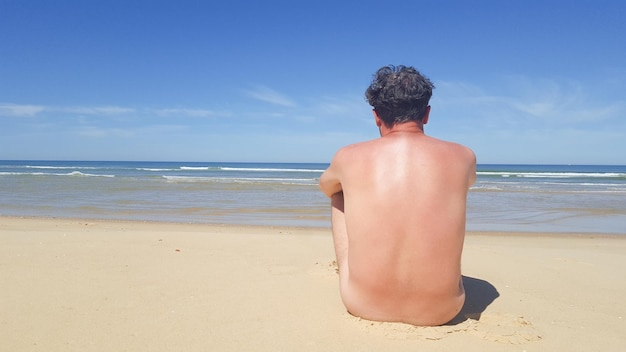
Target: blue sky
pixel 283 81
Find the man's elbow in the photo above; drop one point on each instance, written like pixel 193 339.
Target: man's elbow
pixel 330 190
pixel 327 192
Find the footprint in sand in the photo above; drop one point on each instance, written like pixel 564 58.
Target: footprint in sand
pixel 507 330
pixel 400 331
pixel 514 330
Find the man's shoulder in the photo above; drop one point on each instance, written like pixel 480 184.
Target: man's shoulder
pixel 464 150
pixel 349 154
pixel 356 147
pixel 456 147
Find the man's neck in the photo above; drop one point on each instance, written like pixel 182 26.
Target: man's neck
pixel 402 128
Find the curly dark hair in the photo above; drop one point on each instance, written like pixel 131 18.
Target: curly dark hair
pixel 399 94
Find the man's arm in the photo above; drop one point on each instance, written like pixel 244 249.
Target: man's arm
pixel 330 182
pixel 472 177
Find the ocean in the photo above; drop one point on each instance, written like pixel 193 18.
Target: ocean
pixel 533 198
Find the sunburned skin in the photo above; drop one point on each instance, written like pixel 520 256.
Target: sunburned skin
pixel 398 217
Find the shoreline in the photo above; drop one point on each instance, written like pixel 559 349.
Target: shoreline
pixel 564 198
pixel 100 285
pixel 528 233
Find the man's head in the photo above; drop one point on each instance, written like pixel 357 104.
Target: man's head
pixel 399 94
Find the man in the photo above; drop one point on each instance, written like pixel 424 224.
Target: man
pixel 398 209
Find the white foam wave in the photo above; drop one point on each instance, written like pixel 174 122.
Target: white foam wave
pixel 195 168
pixel 81 174
pixel 299 181
pixel 477 187
pixel 268 169
pixel 153 169
pixel 246 169
pixel 553 174
pixel 73 173
pixel 60 167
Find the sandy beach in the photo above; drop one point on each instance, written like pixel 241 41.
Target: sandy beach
pixel 83 285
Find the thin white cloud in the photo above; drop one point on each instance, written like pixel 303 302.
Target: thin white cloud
pixel 13 110
pixel 348 106
pixel 97 110
pixel 271 96
pixel 112 132
pixel 344 113
pixel 17 110
pixel 521 98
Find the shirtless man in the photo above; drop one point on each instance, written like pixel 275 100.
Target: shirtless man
pixel 398 209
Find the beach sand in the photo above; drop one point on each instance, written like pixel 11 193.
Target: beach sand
pixel 83 285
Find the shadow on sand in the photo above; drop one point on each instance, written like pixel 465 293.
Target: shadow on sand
pixel 479 294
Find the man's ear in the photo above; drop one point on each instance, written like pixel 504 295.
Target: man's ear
pixel 377 119
pixel 426 115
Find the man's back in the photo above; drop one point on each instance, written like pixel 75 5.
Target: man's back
pixel 398 209
pixel 405 198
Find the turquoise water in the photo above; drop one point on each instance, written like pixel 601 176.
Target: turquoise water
pixel 558 198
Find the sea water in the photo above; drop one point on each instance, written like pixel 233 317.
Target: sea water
pixel 555 198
